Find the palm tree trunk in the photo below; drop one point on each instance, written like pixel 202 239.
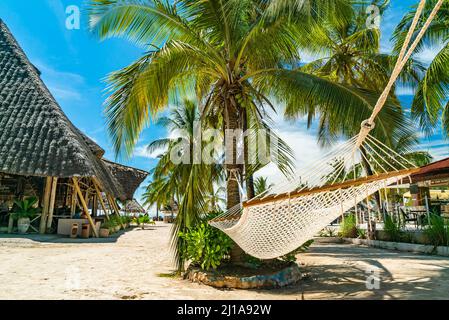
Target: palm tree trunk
pixel 233 172
pixel 250 193
pixel 370 172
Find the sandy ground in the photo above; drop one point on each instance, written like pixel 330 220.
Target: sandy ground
pixel 136 265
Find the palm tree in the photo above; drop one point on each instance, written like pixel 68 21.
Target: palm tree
pixel 238 57
pixel 215 199
pixel 350 55
pixel 185 183
pixel 430 101
pixel 235 56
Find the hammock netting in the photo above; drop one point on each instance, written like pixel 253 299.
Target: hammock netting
pixel 286 216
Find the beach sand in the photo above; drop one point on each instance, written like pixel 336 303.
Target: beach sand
pixel 138 266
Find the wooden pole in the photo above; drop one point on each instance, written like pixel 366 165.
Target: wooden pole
pixel 100 198
pixel 73 203
pixel 84 204
pixel 46 205
pixel 51 209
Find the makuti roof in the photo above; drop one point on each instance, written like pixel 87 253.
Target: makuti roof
pixel 36 137
pixel 129 178
pixel 134 206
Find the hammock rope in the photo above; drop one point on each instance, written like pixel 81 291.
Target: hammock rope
pixel 284 217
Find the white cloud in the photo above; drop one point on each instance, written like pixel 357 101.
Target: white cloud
pixel 61 93
pixel 63 85
pixel 143 152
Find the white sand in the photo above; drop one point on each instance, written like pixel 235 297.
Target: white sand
pixel 131 268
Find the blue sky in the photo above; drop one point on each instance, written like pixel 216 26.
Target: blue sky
pixel 73 64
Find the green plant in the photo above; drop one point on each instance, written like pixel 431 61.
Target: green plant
pixel 348 228
pixel 25 208
pixel 361 233
pixel 106 225
pixel 291 257
pixel 393 229
pixel 206 246
pixel 437 231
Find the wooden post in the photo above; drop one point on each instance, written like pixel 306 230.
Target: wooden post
pixel 84 204
pixel 51 208
pixel 10 224
pixel 46 205
pixel 100 198
pixel 94 205
pixel 73 203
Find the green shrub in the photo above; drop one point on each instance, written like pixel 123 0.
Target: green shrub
pixel 437 231
pixel 393 229
pixel 361 233
pixel 24 208
pixel 348 228
pixel 206 247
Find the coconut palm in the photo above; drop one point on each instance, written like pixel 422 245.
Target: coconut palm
pixel 184 182
pixel 350 55
pixel 238 57
pixel 430 102
pixel 235 56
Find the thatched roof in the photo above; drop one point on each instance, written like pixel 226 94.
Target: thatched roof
pixel 133 206
pixel 129 178
pixel 36 137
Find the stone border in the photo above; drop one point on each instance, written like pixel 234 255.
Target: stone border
pixel 287 276
pixel 401 246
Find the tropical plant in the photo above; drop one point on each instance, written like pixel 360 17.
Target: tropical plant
pixel 361 233
pixel 430 101
pixel 437 231
pixel 25 208
pixel 206 247
pixel 393 229
pixel 348 227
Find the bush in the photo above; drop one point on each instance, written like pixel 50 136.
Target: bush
pixel 348 228
pixel 206 247
pixel 393 229
pixel 438 231
pixel 361 233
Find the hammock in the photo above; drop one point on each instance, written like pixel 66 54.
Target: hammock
pixel 280 220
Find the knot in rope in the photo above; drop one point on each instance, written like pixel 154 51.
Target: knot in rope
pixel 368 125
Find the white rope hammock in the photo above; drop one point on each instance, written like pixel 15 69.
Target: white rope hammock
pixel 286 216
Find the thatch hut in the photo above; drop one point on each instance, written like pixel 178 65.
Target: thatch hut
pixel 133 207
pixel 43 154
